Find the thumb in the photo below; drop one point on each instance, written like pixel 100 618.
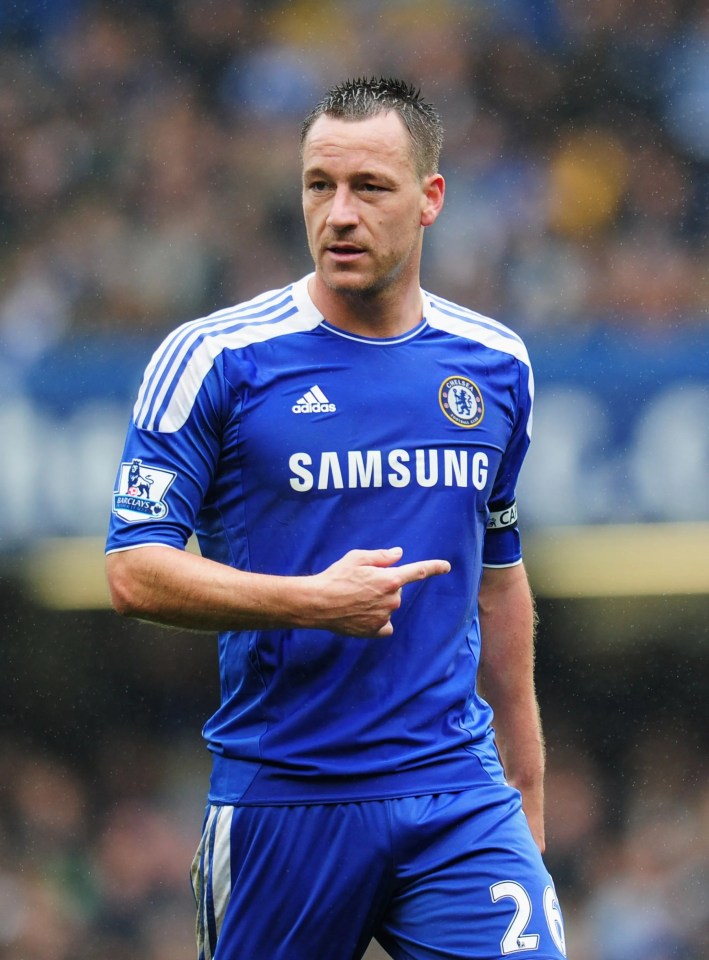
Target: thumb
pixel 386 557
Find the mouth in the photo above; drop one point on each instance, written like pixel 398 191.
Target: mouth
pixel 344 252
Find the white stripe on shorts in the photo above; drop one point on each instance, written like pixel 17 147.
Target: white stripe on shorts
pixel 211 878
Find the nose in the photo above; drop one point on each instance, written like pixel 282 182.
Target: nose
pixel 342 213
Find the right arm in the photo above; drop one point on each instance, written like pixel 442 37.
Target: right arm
pixel 355 596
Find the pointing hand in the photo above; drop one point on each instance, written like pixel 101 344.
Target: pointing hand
pixel 357 594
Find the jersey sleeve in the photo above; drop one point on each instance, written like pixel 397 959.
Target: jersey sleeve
pixel 502 546
pixel 165 472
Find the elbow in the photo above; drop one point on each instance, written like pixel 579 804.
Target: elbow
pixel 121 601
pixel 122 587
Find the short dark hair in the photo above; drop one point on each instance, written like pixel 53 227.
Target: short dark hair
pixel 362 98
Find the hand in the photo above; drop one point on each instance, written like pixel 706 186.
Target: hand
pixel 357 594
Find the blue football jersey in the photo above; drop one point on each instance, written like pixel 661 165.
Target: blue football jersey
pixel 284 442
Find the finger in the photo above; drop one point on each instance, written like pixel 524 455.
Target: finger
pixel 421 569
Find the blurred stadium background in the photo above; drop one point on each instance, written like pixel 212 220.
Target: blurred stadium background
pixel 148 175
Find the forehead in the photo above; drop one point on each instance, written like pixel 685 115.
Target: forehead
pixel 378 141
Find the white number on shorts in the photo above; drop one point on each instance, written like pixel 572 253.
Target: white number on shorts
pixel 515 937
pixel 554 920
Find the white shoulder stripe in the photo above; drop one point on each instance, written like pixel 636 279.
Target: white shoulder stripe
pixel 170 413
pixel 474 326
pixel 167 359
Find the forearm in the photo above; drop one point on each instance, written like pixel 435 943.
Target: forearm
pixel 183 589
pixel 519 737
pixel 506 680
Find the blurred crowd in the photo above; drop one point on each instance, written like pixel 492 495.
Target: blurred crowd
pixel 97 868
pixel 149 170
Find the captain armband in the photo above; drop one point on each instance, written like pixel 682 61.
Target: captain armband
pixel 503 519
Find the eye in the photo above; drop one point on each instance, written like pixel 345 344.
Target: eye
pixel 317 186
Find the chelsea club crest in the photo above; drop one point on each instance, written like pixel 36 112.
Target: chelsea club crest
pixel 461 401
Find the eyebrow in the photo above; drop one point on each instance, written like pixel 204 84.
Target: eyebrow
pixel 360 175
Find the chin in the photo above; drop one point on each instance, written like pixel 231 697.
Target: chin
pixel 352 284
pixel 346 283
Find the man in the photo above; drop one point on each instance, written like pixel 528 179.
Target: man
pixel 347 450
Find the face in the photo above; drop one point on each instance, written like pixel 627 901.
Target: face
pixel 364 205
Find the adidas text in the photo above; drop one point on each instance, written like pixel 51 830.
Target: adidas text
pixel 313 407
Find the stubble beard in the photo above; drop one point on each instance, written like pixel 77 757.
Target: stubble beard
pixel 367 288
pixel 363 289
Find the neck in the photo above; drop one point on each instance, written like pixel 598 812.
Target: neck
pixel 382 313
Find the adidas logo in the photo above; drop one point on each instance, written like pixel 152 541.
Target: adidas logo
pixel 314 401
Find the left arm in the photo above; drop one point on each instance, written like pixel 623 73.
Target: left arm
pixel 506 681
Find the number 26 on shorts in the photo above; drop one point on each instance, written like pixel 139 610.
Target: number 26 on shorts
pixel 516 937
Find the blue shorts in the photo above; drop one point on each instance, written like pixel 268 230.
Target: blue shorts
pixel 454 876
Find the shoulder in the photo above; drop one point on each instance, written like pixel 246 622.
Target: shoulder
pixel 183 360
pixel 270 314
pixel 469 325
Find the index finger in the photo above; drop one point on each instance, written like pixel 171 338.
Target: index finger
pixel 421 569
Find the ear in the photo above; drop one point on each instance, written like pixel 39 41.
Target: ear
pixel 434 188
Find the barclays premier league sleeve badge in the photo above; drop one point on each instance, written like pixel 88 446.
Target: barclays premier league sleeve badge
pixel 141 492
